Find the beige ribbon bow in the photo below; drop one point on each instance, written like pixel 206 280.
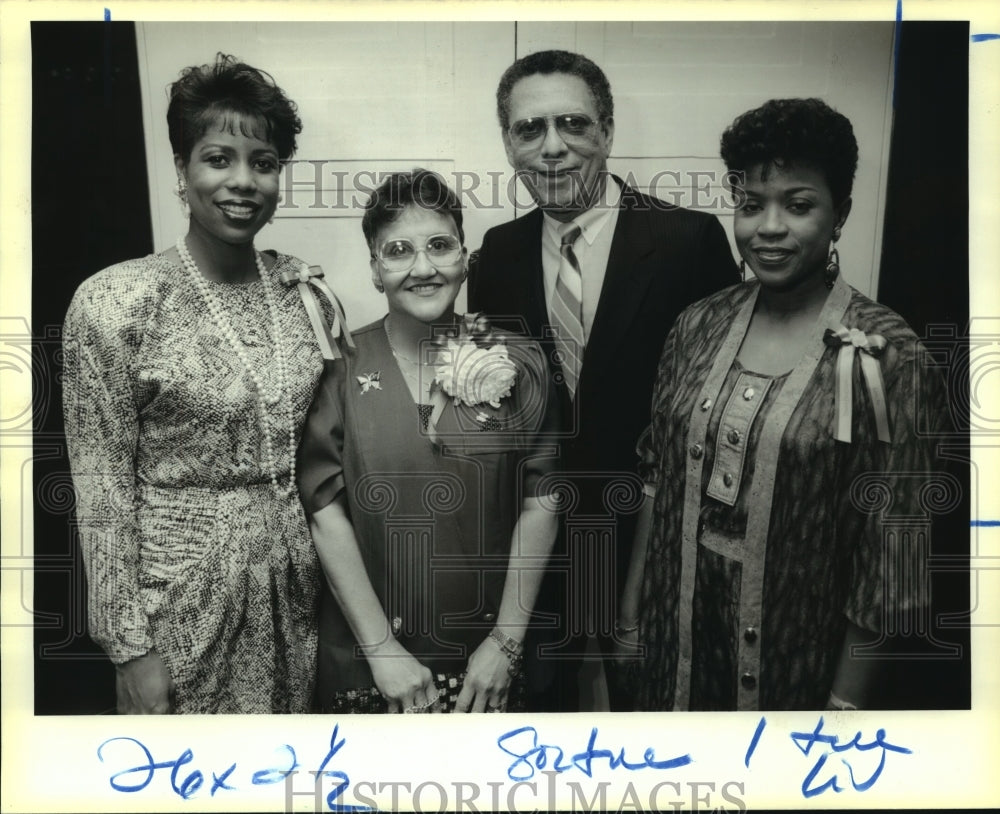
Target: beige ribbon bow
pixel 855 343
pixel 306 276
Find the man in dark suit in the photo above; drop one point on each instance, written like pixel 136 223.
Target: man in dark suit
pixel 599 272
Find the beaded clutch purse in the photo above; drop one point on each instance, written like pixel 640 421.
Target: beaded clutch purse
pixel 369 701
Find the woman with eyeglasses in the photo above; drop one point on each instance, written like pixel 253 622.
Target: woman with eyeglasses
pixel 425 475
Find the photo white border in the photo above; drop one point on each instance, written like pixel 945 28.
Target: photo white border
pixel 49 763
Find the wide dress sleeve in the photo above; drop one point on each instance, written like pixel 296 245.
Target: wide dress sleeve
pixel 904 480
pixel 321 451
pixel 102 428
pixel 650 443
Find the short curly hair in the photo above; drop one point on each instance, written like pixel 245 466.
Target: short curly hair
pixel 399 190
pixel 234 94
pixel 549 62
pixel 794 131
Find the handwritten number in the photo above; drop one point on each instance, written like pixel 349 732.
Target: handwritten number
pixel 334 748
pixel 754 741
pixel 191 783
pixel 266 776
pixel 185 789
pixel 345 781
pixel 150 767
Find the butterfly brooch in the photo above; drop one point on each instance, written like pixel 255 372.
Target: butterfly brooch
pixel 370 381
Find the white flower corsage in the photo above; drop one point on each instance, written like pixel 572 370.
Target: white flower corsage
pixel 474 366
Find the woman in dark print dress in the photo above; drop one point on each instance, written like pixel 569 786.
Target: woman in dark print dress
pixel 187 377
pixel 425 475
pixel 758 567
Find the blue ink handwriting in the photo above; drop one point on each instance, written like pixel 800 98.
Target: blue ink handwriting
pixel 345 781
pixel 754 741
pixel 523 744
pixel 805 741
pixel 186 780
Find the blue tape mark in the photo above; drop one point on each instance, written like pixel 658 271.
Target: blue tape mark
pixel 895 50
pixel 107 15
pixel 984 523
pixel 984 37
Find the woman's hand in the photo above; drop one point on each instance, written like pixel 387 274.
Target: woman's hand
pixel 404 682
pixel 627 643
pixel 144 686
pixel 487 679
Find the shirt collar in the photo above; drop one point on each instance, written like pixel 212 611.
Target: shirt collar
pixel 593 220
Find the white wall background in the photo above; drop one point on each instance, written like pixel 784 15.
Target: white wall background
pixel 376 97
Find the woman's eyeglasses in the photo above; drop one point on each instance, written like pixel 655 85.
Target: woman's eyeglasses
pixel 570 126
pixel 400 254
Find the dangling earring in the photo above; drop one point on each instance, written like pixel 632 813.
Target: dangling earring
pixel 182 195
pixel 743 270
pixel 832 261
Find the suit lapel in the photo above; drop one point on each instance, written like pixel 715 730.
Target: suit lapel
pixel 529 287
pixel 630 268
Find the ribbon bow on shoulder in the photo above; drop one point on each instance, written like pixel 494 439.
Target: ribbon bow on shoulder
pixel 853 342
pixel 305 276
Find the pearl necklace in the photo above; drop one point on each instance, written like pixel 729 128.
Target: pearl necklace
pixel 265 397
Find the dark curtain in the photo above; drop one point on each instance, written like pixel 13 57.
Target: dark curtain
pixel 924 276
pixel 90 209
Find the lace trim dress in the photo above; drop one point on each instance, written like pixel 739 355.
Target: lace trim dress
pixel 188 547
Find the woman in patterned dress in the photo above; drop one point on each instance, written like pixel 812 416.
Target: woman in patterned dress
pixel 783 407
pixel 187 377
pixel 425 474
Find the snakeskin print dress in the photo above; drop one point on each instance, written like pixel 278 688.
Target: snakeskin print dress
pixel 189 548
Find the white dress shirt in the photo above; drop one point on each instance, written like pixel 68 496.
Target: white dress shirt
pixel 592 250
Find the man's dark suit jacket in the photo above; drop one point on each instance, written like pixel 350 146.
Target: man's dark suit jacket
pixel 663 258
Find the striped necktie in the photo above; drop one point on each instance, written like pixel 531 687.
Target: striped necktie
pixel 567 308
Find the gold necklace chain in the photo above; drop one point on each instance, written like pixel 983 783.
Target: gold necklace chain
pixel 397 354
